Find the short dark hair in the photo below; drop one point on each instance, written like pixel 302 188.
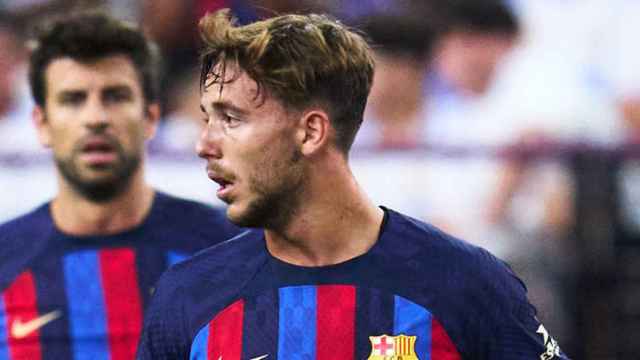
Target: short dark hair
pixel 486 16
pixel 300 60
pixel 405 35
pixel 87 37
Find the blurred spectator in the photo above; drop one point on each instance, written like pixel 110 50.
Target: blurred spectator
pixel 387 147
pixel 395 114
pixel 475 39
pixel 15 102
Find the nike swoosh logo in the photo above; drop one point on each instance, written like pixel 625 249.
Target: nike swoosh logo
pixel 255 358
pixel 21 330
pixel 260 357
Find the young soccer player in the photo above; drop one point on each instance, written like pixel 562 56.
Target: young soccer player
pixel 329 275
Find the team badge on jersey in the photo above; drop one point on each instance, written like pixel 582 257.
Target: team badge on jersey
pixel 387 347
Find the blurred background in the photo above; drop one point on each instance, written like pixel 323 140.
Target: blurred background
pixel 512 124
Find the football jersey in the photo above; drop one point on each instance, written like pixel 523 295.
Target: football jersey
pixel 416 294
pixel 83 297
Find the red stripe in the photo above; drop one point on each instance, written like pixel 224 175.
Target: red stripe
pixel 122 301
pixel 336 322
pixel 442 348
pixel 21 306
pixel 225 333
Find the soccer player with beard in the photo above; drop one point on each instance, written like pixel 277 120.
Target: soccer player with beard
pixel 76 273
pixel 329 276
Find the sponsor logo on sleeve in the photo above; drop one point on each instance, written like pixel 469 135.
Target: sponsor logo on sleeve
pixel 552 349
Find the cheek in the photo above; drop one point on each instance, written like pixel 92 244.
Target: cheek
pixel 62 138
pixel 133 131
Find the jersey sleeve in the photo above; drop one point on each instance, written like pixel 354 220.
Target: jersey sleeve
pixel 514 331
pixel 164 335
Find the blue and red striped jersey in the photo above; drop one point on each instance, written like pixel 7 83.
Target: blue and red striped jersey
pixel 416 294
pixel 69 297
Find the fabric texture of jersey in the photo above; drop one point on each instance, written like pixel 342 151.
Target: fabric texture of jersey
pixel 416 294
pixel 68 297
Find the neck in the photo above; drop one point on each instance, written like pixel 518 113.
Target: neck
pixel 76 215
pixel 336 222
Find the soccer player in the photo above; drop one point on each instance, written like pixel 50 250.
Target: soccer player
pixel 76 273
pixel 329 275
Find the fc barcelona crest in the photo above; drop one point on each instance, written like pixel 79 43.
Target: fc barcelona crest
pixel 399 347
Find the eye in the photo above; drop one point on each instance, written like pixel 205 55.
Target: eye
pixel 72 97
pixel 117 95
pixel 230 120
pixel 227 118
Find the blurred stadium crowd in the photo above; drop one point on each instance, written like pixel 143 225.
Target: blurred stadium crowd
pixel 484 118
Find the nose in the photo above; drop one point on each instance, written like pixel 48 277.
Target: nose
pixel 96 115
pixel 209 142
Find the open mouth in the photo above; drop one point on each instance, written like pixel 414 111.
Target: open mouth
pixel 224 182
pixel 98 152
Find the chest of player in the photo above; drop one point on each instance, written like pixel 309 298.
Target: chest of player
pixel 79 304
pixel 323 322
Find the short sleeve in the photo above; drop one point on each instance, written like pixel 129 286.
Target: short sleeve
pixel 509 326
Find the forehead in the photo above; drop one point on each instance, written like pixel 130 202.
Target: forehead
pixel 67 73
pixel 235 86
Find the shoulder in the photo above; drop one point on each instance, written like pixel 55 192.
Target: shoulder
pixel 22 239
pixel 209 277
pixel 466 288
pixel 181 217
pixel 456 265
pixel 216 264
pixel 31 222
pixel 422 239
pixel 188 210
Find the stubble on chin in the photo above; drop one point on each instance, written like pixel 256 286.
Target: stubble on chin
pixel 102 189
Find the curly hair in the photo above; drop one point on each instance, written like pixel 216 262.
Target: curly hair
pixel 300 60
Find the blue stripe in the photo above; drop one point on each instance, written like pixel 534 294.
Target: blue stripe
pixel 413 320
pixel 199 345
pixel 297 323
pixel 87 316
pixel 4 334
pixel 174 257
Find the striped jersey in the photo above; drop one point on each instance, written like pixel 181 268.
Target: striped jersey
pixel 69 297
pixel 416 294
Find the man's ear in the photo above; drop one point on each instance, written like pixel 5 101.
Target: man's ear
pixel 39 119
pixel 314 132
pixel 152 119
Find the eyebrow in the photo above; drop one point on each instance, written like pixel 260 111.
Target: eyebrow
pixel 225 105
pixel 114 87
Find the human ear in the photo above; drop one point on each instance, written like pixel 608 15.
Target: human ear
pixel 315 128
pixel 39 119
pixel 152 119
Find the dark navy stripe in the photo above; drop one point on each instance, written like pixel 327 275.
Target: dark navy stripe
pixel 150 264
pixel 260 326
pixel 199 345
pixel 4 332
pixel 374 317
pixel 54 337
pixel 87 318
pixel 297 319
pixel 413 320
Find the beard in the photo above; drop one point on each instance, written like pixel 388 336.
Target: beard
pixel 278 191
pixel 105 187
